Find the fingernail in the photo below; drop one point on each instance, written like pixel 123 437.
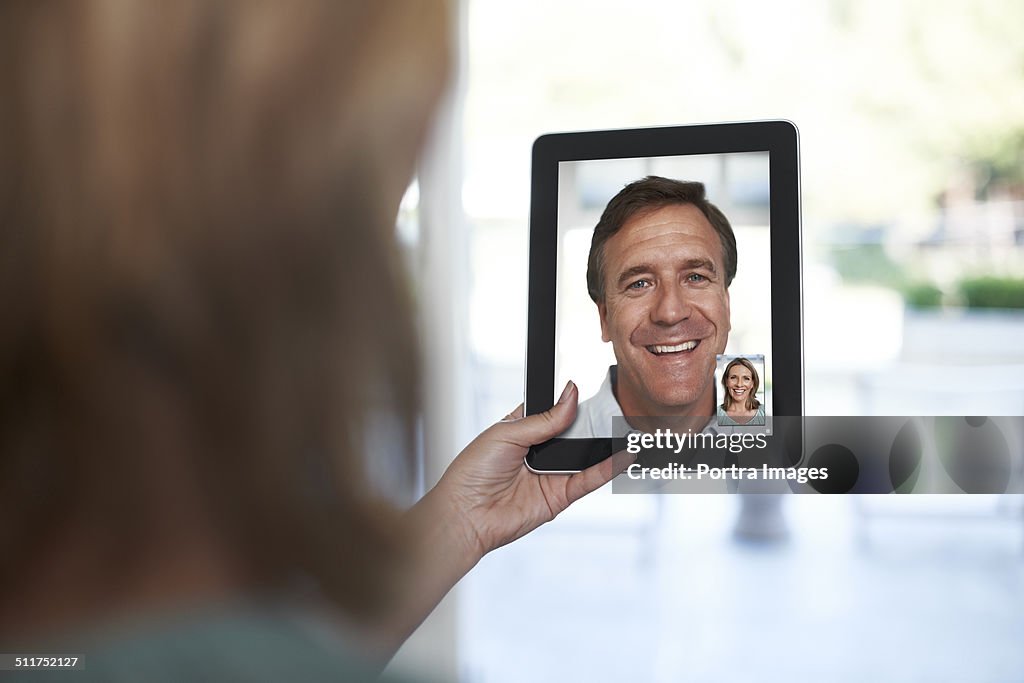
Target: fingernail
pixel 569 386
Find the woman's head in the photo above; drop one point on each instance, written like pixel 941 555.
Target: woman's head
pixel 740 384
pixel 200 296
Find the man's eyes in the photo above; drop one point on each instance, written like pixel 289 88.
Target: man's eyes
pixel 692 278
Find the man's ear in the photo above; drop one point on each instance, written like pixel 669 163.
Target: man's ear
pixel 602 311
pixel 728 320
pixel 728 310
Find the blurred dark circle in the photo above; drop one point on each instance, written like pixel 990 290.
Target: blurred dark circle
pixel 843 468
pixel 976 456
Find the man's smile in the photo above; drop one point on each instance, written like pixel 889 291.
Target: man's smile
pixel 662 349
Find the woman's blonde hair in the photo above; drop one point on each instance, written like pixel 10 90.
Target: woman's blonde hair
pixel 197 202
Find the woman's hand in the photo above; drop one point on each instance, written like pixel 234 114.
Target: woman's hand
pixel 485 499
pixel 495 497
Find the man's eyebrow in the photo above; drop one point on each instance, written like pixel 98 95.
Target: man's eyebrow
pixel 631 273
pixel 698 263
pixel 644 268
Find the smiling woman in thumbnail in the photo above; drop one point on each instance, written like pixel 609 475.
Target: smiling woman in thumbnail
pixel 740 406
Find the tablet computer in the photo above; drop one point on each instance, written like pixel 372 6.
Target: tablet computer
pixel 665 281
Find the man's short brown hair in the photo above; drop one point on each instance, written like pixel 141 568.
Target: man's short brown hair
pixel 646 195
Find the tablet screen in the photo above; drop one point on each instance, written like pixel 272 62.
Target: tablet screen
pixel 629 347
pixel 665 282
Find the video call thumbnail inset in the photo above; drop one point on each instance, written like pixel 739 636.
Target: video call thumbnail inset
pixel 742 393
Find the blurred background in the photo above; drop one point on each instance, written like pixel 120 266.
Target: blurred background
pixel 911 118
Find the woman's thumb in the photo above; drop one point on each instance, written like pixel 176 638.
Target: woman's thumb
pixel 534 429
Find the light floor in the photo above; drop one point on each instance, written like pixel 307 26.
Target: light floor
pixel 655 588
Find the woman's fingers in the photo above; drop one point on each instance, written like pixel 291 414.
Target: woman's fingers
pixel 596 476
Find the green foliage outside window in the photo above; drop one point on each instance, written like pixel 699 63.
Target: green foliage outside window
pixel 992 292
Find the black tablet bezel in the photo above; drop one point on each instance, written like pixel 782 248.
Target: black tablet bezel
pixel 779 139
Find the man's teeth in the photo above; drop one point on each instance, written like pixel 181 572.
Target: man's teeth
pixel 685 346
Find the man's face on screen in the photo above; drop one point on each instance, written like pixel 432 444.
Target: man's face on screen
pixel 665 311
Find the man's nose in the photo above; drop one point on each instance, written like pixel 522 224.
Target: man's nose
pixel 671 305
